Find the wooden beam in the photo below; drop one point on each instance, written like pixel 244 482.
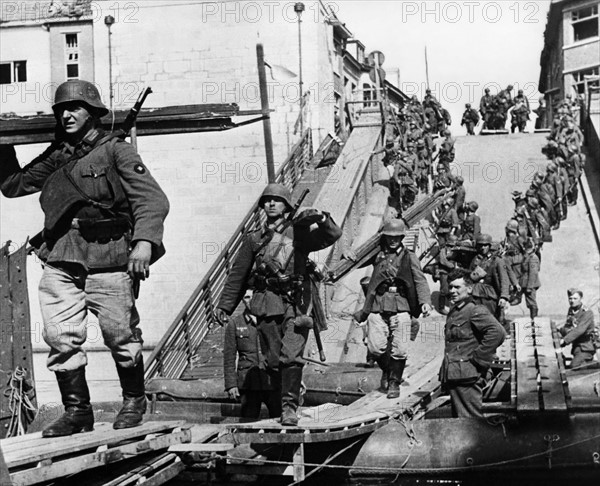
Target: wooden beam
pixel 151 121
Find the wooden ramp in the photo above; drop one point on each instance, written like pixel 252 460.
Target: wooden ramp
pixel 541 385
pixel 331 422
pixel 32 459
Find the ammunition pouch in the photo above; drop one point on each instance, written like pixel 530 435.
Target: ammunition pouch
pixel 281 285
pixel 101 230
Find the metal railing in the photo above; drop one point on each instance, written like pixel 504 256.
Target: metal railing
pixel 176 350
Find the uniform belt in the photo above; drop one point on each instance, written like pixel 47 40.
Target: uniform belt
pixel 101 230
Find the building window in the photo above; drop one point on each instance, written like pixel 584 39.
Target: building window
pixel 585 23
pixel 13 72
pixel 580 77
pixel 72 55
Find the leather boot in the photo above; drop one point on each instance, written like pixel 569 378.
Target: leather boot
pixel 134 396
pixel 384 363
pixel 396 372
pixel 291 378
pixel 78 416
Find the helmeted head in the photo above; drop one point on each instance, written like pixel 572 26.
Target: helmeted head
pixel 446 133
pixel 394 232
pixel 468 105
pixel 394 227
pixel 487 90
pixel 441 167
pixel 530 193
pixel 427 91
pixel 449 201
pixel 512 226
pixel 472 206
pixel 460 180
pixel 484 242
pixel 520 92
pixel 79 91
pixel 276 192
pixel 533 202
pixel 509 87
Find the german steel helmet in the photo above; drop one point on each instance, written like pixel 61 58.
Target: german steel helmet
pixel 79 90
pixel 512 225
pixel 473 206
pixel 484 239
pixel 277 190
pixel 394 227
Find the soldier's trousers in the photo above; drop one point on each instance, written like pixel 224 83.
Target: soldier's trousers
pixel 581 358
pixel 392 328
pixel 253 399
pixel 466 400
pixel 67 292
pixel 282 343
pixel 531 302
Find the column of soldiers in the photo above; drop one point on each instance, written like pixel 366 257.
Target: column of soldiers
pixel 494 110
pixel 409 153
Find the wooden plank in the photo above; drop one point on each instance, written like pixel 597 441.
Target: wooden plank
pixel 21 452
pixel 47 471
pixel 147 469
pixel 211 447
pixel 6 333
pixel 298 462
pixel 553 388
pixel 364 413
pixel 527 371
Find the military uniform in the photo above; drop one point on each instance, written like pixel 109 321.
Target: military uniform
pixel 492 286
pixel 447 223
pixel 396 292
pixel 99 202
pixel 274 265
pixel 470 227
pixel 255 384
pixel 404 176
pixel 578 331
pixel 89 243
pixel 485 108
pixel 470 119
pixel 530 282
pixel 447 152
pixel 472 337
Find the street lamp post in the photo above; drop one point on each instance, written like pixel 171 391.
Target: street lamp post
pixel 108 21
pixel 299 8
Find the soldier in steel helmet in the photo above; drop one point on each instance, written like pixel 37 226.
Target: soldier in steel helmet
pixel 447 151
pixel 470 119
pixel 460 193
pixel 471 224
pixel 485 107
pixel 103 228
pixel 491 282
pixel 273 262
pixel 397 290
